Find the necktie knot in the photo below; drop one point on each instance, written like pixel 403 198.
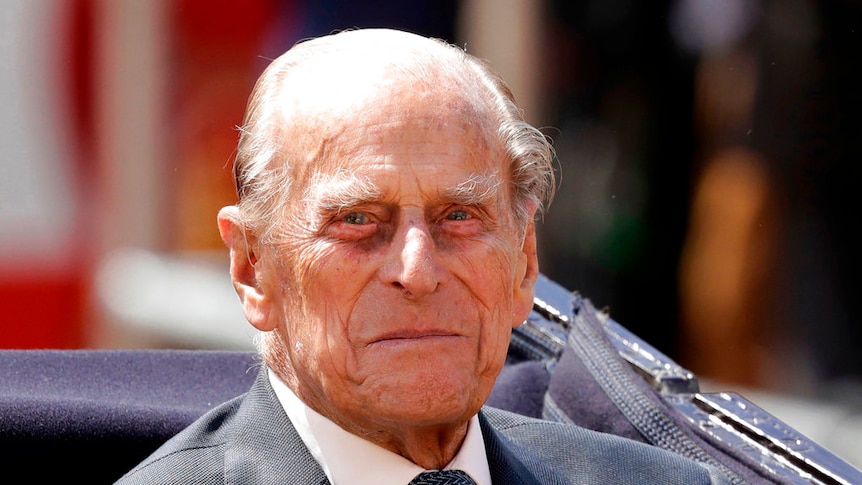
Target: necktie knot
pixel 443 477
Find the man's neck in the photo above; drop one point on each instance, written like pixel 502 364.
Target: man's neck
pixel 431 447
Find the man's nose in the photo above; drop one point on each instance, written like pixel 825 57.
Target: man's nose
pixel 413 266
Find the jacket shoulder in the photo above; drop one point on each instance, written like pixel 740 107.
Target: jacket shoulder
pixel 194 455
pixel 580 455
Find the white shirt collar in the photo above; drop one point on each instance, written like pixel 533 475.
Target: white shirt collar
pixel 347 458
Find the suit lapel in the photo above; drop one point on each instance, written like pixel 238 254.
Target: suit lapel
pixel 503 461
pixel 265 447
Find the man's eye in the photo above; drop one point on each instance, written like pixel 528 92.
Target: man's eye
pixel 357 218
pixel 458 215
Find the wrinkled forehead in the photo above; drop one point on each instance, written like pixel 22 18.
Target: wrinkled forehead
pixel 334 90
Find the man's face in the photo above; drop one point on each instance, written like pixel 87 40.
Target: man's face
pixel 395 284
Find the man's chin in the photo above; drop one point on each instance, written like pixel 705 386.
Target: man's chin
pixel 427 403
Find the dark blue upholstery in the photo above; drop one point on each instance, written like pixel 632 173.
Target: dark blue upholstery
pixel 95 414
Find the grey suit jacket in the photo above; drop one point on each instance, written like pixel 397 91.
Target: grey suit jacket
pixel 250 440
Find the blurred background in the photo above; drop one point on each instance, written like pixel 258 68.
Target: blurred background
pixel 709 156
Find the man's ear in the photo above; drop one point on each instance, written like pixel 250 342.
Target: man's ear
pixel 244 272
pixel 526 274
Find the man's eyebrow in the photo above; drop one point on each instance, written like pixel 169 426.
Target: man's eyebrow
pixel 344 189
pixel 340 190
pixel 477 190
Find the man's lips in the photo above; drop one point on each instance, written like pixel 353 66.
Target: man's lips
pixel 413 336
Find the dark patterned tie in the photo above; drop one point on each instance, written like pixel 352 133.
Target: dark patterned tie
pixel 444 477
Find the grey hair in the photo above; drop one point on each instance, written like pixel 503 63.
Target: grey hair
pixel 263 171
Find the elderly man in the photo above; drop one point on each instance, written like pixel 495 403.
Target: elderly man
pixel 384 246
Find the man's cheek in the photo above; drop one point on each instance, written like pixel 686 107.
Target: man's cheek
pixel 490 274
